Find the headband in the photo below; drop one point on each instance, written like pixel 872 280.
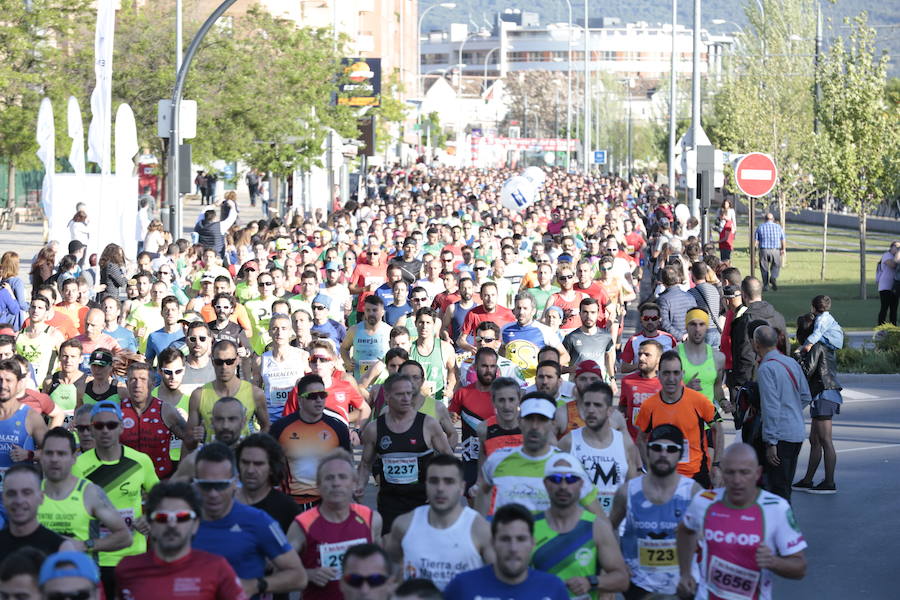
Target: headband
pixel 696 313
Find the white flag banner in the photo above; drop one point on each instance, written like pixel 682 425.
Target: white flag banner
pixel 46 139
pixel 76 134
pixel 99 146
pixel 126 141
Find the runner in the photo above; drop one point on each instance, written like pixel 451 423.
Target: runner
pixel 489 310
pixel 368 339
pixel 21 428
pixel 39 341
pixel 171 333
pixel 259 310
pixel 279 368
pixel 649 314
pixel 568 299
pixel 66 386
pixel 512 537
pixel 637 387
pixel 487 335
pixel 261 463
pixel 436 356
pixel 427 404
pixel 229 421
pixel 517 472
pixel 501 430
pixel 171 561
pixel 366 565
pixel 444 538
pixel 246 537
pixel 198 366
pixel 523 338
pixel 404 439
pixel 651 506
pixel 306 436
pixel 573 543
pixel 171 373
pixel 608 456
pixel 22 494
pixel 101 385
pixel 74 507
pixel 323 533
pixel 745 535
pixel 687 410
pixel 225 327
pixel 472 403
pixel 124 474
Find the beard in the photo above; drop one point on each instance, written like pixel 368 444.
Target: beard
pixel 662 468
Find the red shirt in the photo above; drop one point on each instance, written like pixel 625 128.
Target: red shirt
pixel 571 318
pixel 725 342
pixel 636 389
pixel 595 291
pixel 336 538
pixel 365 275
pixel 630 349
pixel 42 403
pixel 726 236
pixel 636 241
pixel 501 316
pixel 147 432
pixel 474 406
pixel 443 300
pixel 197 576
pixel 61 321
pixel 341 396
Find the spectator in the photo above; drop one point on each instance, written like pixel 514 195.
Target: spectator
pixel 770 241
pixel 42 265
pixel 674 303
pixel 888 285
pixel 112 270
pixel 9 276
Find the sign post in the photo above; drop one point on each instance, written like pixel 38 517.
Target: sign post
pixel 755 175
pixel 599 157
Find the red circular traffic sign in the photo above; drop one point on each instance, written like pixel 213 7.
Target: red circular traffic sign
pixel 756 174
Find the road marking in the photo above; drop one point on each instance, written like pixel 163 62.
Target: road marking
pixel 870 448
pixel 872 399
pixel 756 174
pixel 854 395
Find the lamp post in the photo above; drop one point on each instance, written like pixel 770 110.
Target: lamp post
pixel 486 58
pixel 673 80
pixel 419 42
pixel 569 88
pixel 587 89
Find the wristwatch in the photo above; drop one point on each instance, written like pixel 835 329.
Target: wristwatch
pixel 595 583
pixel 261 585
pixel 89 544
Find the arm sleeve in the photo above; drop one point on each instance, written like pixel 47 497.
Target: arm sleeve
pixel 816 335
pixel 270 536
pixel 344 437
pixel 768 392
pixel 225 225
pixel 456 401
pixel 19 292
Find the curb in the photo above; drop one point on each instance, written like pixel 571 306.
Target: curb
pixel 868 378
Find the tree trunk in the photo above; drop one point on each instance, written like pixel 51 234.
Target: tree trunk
pixel 862 250
pixel 825 235
pixel 11 184
pixel 782 211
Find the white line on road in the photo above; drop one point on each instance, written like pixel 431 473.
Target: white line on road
pixel 870 448
pixel 756 174
pixel 854 395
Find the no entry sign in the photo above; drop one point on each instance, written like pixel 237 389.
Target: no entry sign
pixel 756 174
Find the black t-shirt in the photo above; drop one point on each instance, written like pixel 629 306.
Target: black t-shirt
pixel 409 270
pixel 280 507
pixel 43 539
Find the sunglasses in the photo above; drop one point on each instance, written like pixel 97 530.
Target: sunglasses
pixel 172 372
pixel 319 359
pixel 224 361
pixel 172 517
pixel 419 299
pixel 566 277
pixel 481 268
pixel 222 307
pixel 557 478
pixel 213 485
pixel 314 395
pixel 318 307
pixel 648 318
pixel 357 581
pixel 266 283
pixel 78 595
pixel 668 448
pixel 82 428
pixel 373 253
pixel 101 425
pixel 485 340
pixel 197 338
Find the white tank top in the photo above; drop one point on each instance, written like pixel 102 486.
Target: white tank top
pixel 606 468
pixel 439 554
pixel 278 379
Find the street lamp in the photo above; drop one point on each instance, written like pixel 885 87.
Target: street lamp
pixel 419 42
pixel 486 58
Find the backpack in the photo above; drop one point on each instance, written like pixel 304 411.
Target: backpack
pixel 746 397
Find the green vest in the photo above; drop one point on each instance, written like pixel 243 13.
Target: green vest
pixel 566 555
pixel 68 516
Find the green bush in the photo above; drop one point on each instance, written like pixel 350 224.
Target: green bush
pixel 862 360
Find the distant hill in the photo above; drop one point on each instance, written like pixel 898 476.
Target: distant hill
pixel 885 16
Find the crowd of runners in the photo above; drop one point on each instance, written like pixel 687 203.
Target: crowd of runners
pixel 540 400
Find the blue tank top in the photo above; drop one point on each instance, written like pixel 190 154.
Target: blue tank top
pixel 13 433
pixel 648 541
pixel 459 315
pixel 368 348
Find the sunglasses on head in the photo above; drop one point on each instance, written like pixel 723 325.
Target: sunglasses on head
pixel 667 448
pixel 209 485
pixel 172 517
pixel 76 595
pixel 171 372
pixel 357 581
pixel 649 318
pixel 314 395
pixel 101 425
pixel 224 361
pixel 557 478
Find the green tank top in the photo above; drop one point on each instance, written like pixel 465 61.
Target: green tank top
pixel 68 516
pixel 209 397
pixel 433 364
pixel 92 397
pixel 566 555
pixel 182 407
pixel 706 371
pixel 65 395
pixel 38 351
pixel 428 407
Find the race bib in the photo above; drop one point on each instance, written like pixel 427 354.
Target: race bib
pixel 127 515
pixel 365 365
pixel 401 471
pixel 606 501
pixel 685 451
pixel 657 555
pixel 730 581
pixel 332 555
pixel 634 414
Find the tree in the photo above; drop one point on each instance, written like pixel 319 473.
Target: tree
pixel 537 101
pixel 858 152
pixel 32 59
pixel 766 103
pixel 390 113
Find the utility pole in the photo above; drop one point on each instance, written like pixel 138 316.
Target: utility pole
pixel 587 89
pixel 673 113
pixel 696 129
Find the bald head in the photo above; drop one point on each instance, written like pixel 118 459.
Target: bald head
pixel 765 337
pixel 740 452
pixel 751 287
pixel 770 217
